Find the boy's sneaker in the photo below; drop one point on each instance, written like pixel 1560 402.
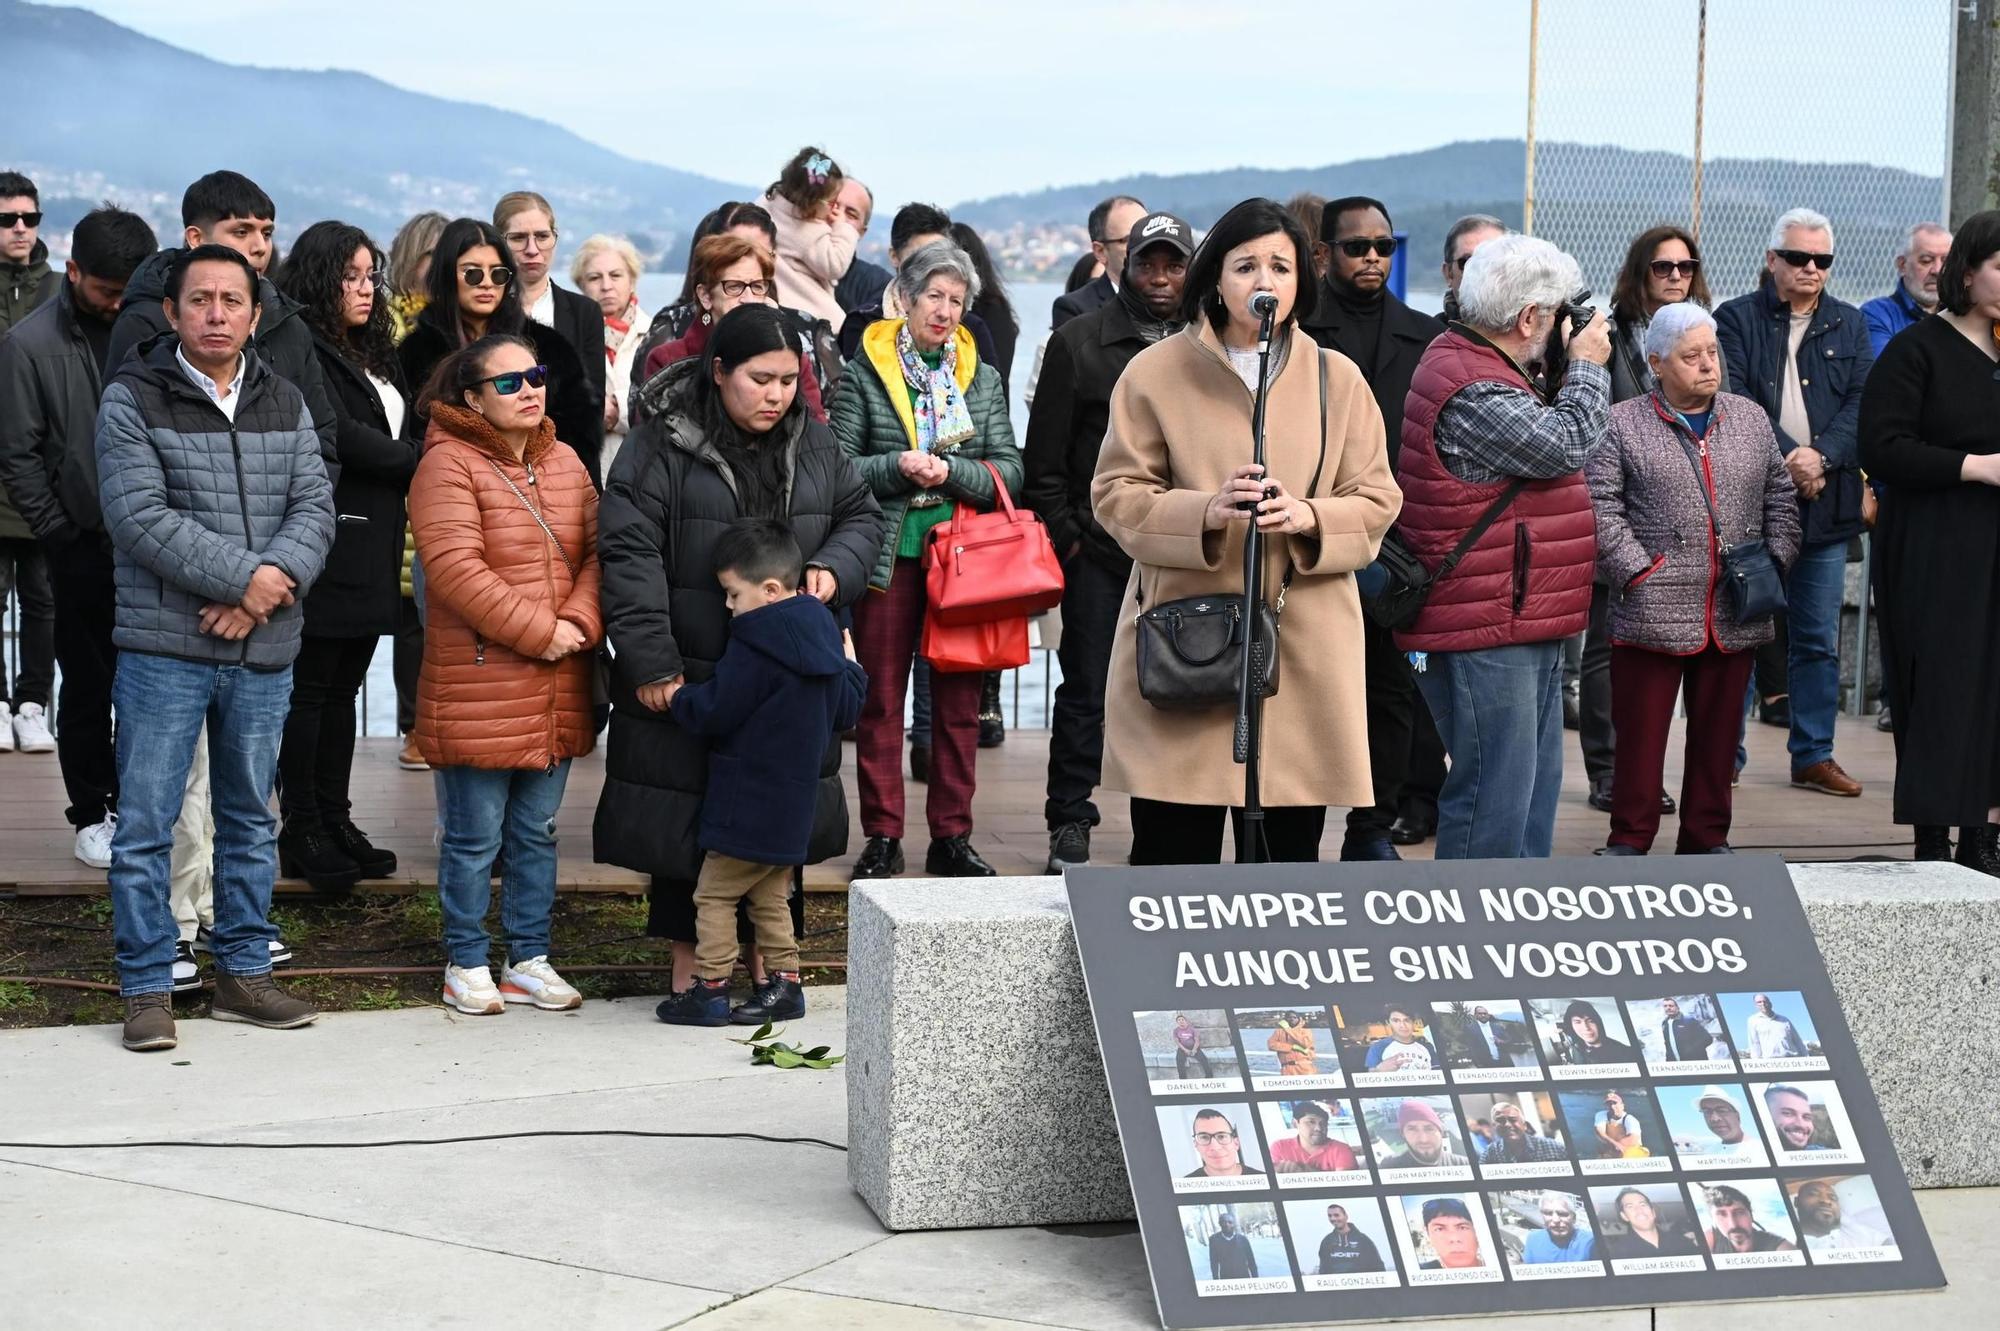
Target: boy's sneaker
pixel 149 1022
pixel 31 730
pixel 93 843
pixel 702 1003
pixel 470 989
pixel 257 1000
pixel 1069 844
pixel 187 976
pixel 204 942
pixel 779 998
pixel 535 981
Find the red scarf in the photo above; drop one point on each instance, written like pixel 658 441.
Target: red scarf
pixel 619 325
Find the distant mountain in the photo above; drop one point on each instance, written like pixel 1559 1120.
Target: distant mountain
pixel 103 111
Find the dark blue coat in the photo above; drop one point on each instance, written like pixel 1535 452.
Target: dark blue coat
pixel 780 693
pixel 1834 359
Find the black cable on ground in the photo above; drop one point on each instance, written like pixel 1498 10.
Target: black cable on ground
pixel 424 1141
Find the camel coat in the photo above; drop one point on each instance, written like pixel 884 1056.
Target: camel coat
pixel 1180 423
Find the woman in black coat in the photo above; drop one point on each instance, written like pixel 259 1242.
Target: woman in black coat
pixel 1927 435
pixel 472 293
pixel 733 441
pixel 335 273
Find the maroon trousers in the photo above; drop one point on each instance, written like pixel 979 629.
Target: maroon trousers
pixel 888 627
pixel 1643 685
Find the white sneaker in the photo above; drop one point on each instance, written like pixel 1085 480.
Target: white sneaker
pixel 31 730
pixel 6 729
pixel 204 941
pixel 93 843
pixel 535 981
pixel 187 975
pixel 470 990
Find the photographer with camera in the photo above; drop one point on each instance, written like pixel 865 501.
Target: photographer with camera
pixel 1495 435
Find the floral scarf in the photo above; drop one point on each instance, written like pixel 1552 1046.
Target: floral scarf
pixel 618 327
pixel 942 419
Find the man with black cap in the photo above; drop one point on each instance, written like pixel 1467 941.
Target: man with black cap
pixel 1359 317
pixel 1065 430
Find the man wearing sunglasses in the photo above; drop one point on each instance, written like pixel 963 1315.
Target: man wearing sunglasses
pixel 26 280
pixel 1803 356
pixel 1358 316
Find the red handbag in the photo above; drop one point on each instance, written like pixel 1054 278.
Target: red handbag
pixel 985 566
pixel 997 644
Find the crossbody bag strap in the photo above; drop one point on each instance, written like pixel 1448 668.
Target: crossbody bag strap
pixel 1479 529
pixel 1701 484
pixel 534 513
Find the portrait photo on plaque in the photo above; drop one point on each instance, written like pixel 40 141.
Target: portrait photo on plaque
pixel 1840 1217
pixel 1188 1051
pixel 1236 1248
pixel 1445 1239
pixel 1647 1228
pixel 1547 1233
pixel 1774 1031
pixel 1416 1139
pixel 1290 1048
pixel 1682 1035
pixel 1314 1143
pixel 1212 1147
pixel 1712 1126
pixel 1583 1037
pixel 1389 1045
pixel 1341 1243
pixel 1807 1121
pixel 1517 1134
pixel 1485 1040
pixel 1617 1130
pixel 1745 1223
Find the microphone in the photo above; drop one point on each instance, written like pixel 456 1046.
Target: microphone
pixel 1264 305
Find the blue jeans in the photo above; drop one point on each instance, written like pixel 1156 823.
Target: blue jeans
pixel 162 703
pixel 481 808
pixel 1499 712
pixel 920 704
pixel 1813 593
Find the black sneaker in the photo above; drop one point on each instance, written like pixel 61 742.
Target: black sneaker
pixel 700 1004
pixel 881 858
pixel 992 725
pixel 1069 844
pixel 317 857
pixel 204 943
pixel 1359 849
pixel 187 975
pixel 954 857
pixel 1413 829
pixel 374 861
pixel 1600 796
pixel 777 999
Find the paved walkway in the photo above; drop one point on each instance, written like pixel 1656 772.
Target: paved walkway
pixel 585 1233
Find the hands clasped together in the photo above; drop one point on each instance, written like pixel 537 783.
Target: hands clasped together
pixel 270 587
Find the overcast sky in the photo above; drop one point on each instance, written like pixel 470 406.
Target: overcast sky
pixel 951 101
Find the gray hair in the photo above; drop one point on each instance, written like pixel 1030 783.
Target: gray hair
pixel 1671 323
pixel 1470 222
pixel 1920 229
pixel 1568 1200
pixel 1803 218
pixel 940 258
pixel 623 248
pixel 1508 274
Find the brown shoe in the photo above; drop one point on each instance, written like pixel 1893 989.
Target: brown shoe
pixel 1827 779
pixel 149 1022
pixel 411 759
pixel 257 1000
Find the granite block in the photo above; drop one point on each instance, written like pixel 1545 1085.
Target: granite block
pixel 976 1097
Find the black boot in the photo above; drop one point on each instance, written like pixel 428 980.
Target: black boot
pixel 373 860
pixel 881 858
pixel 317 858
pixel 1933 843
pixel 992 725
pixel 954 857
pixel 777 999
pixel 1979 848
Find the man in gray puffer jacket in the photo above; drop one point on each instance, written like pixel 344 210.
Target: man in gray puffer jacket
pixel 220 514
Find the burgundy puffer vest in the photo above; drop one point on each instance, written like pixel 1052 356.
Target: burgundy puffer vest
pixel 1528 578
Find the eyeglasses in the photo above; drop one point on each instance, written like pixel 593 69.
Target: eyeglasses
pixel 543 239
pixel 1356 246
pixel 497 275
pixel 508 384
pixel 8 221
pixel 1459 261
pixel 1213 1138
pixel 1800 258
pixel 732 288
pixel 1681 267
pixel 361 281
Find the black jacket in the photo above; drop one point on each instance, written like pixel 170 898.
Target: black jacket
pixel 1066 428
pixel 778 700
pixel 1405 334
pixel 360 594
pixel 817 339
pixel 579 421
pixel 861 285
pixel 670 496
pixel 582 325
pixel 1000 321
pixel 50 383
pixel 1097 291
pixel 282 339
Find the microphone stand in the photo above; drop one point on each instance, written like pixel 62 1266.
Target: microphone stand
pixel 1249 736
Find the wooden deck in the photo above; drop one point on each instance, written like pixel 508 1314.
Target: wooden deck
pixel 396 809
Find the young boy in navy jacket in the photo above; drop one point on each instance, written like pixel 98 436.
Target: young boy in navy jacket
pixel 785 686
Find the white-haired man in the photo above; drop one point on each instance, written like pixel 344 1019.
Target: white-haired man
pixel 1485 442
pixel 1916 293
pixel 1803 356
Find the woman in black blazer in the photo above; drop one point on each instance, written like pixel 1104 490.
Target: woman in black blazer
pixel 335 273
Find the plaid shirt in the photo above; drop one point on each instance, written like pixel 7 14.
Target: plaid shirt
pixel 1491 432
pixel 1532 1148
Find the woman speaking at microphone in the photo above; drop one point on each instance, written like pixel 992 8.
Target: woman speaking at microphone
pixel 1177 488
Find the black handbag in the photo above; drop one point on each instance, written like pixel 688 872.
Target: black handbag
pixel 1191 650
pixel 1408 583
pixel 1751 585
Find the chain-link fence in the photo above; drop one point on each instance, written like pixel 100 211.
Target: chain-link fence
pixel 1842 107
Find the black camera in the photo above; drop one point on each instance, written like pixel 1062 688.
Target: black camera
pixel 1571 318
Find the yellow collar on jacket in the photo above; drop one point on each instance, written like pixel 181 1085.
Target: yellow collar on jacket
pixel 878 343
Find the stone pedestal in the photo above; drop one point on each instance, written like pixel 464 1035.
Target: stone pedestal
pixel 975 1095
